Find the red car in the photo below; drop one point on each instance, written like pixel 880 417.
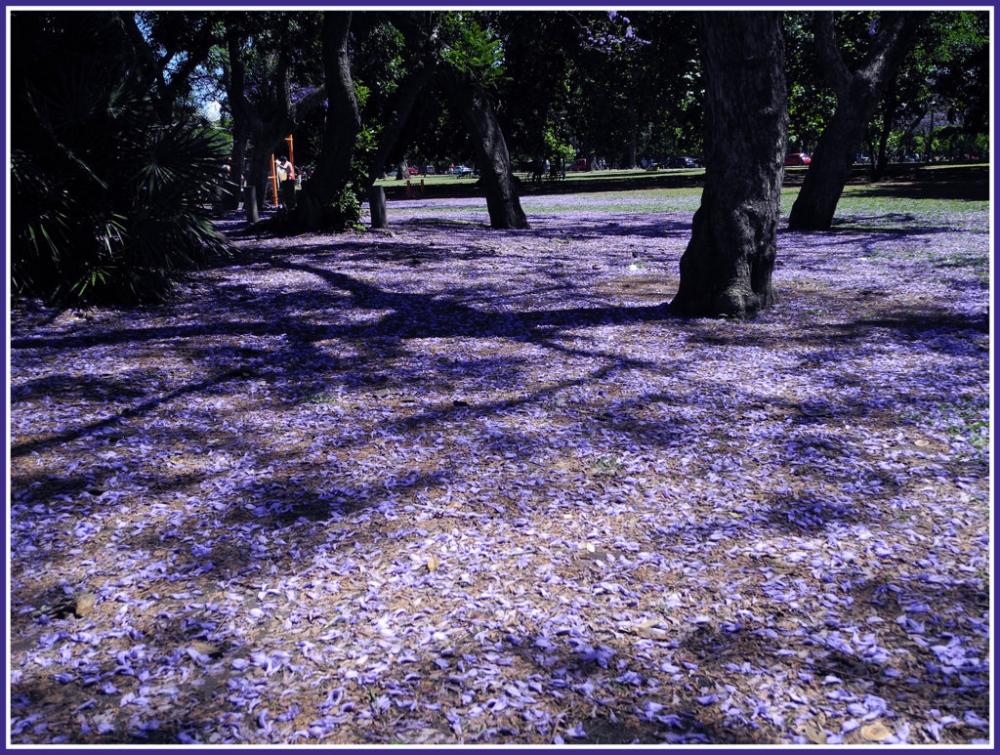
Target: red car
pixel 798 158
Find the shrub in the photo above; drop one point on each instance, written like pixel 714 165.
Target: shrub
pixel 107 203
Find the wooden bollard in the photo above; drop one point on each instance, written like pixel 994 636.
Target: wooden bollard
pixel 251 205
pixel 376 201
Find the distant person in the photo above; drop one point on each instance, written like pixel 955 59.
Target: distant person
pixel 286 175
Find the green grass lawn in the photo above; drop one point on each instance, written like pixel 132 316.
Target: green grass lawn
pixel 894 205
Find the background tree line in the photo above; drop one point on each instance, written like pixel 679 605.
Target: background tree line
pixel 115 166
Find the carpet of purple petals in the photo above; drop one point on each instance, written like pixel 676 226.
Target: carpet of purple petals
pixel 441 484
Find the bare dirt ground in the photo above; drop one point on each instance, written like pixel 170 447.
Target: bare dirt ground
pixel 442 485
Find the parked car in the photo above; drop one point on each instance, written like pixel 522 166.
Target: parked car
pixel 426 170
pixel 798 158
pixel 461 170
pixel 681 162
pixel 412 171
pixel 579 164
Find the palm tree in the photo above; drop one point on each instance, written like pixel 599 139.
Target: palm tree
pixel 108 203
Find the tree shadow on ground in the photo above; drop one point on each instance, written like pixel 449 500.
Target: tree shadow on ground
pixel 406 316
pixel 958 189
pixel 299 505
pixel 141 409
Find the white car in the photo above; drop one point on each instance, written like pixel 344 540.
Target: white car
pixel 461 170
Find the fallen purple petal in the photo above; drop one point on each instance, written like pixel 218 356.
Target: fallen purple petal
pixel 443 485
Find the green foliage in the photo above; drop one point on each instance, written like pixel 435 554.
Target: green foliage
pixel 473 48
pixel 946 71
pixel 636 86
pixel 556 147
pixel 344 212
pixel 107 203
pixel 811 101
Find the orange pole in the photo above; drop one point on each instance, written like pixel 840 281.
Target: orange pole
pixel 274 180
pixel 291 152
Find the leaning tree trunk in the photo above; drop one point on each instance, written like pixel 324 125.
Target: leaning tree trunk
pixel 406 98
pixel 491 152
pixel 831 168
pixel 858 94
pixel 423 39
pixel 726 268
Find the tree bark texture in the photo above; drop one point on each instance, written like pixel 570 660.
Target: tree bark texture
pixel 858 94
pixel 726 268
pixel 253 214
pixel 491 152
pixel 343 124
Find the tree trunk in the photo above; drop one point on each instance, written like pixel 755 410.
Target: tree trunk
pixel 343 124
pixel 232 201
pixel 424 40
pixel 633 130
pixel 858 94
pixel 880 156
pixel 726 268
pixel 260 170
pixel 491 152
pixel 406 98
pixel 830 169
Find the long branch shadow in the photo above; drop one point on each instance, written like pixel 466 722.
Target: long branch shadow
pixel 412 316
pixel 23 449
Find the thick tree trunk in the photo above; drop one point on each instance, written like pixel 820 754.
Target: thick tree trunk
pixel 726 268
pixel 253 215
pixel 492 156
pixel 343 124
pixel 858 94
pixel 260 170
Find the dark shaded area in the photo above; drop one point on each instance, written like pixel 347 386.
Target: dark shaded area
pixel 139 410
pixel 411 316
pixel 971 188
pixel 902 180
